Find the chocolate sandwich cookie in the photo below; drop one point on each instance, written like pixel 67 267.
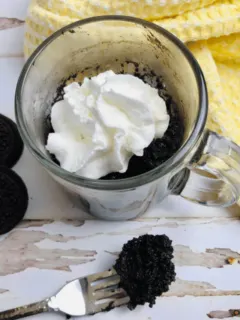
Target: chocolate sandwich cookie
pixel 11 144
pixel 13 199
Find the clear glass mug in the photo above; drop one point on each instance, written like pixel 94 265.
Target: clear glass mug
pixel 102 43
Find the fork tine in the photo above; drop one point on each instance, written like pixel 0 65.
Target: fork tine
pixel 101 275
pixel 121 302
pixel 106 283
pixel 104 294
pixel 111 305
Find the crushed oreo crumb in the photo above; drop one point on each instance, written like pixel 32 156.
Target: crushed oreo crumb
pixel 145 268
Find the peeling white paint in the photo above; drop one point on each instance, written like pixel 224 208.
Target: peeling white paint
pixel 200 273
pixel 8 23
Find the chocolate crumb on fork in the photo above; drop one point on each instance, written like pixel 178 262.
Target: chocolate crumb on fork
pixel 145 268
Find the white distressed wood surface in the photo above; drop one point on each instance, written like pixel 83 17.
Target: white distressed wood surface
pixel 38 257
pixel 47 200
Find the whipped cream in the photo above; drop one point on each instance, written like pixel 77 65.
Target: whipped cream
pixel 101 124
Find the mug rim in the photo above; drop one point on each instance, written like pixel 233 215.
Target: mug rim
pixel 126 183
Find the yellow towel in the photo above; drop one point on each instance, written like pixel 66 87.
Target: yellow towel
pixel 210 28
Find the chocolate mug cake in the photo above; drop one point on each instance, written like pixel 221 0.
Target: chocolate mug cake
pixel 185 142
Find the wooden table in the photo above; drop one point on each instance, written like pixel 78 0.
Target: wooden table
pixel 40 255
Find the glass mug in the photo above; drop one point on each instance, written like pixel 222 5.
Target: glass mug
pixel 98 44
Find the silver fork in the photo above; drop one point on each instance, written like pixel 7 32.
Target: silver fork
pixel 84 296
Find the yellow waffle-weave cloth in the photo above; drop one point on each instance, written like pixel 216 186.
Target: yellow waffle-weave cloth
pixel 215 23
pixel 210 28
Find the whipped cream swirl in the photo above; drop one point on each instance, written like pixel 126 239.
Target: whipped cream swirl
pixel 101 124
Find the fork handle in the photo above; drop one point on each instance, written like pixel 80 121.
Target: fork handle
pixel 25 311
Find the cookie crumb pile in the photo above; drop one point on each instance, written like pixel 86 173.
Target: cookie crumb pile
pixel 145 268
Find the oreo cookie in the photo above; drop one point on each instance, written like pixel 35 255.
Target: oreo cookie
pixel 11 144
pixel 13 199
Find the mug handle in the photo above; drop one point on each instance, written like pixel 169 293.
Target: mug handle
pixel 214 173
